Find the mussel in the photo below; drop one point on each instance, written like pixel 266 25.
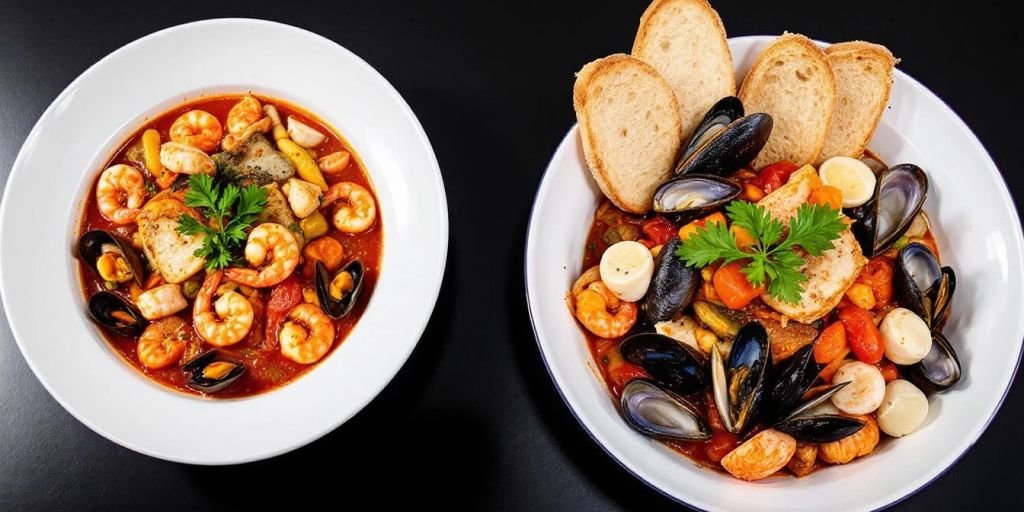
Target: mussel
pixel 739 386
pixel 900 192
pixel 939 370
pixel 662 414
pixel 721 114
pixel 673 285
pixel 729 149
pixel 687 197
pixel 793 378
pixel 673 365
pixel 212 372
pixel 338 293
pixel 923 286
pixel 807 423
pixel 120 261
pixel 114 312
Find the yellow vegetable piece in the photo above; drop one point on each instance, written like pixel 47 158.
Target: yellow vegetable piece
pixel 861 296
pixel 313 226
pixel 743 237
pixel 304 165
pixel 151 151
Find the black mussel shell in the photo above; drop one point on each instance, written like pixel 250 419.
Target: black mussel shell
pixel 102 308
pixel 921 285
pixel 900 192
pixel 939 370
pixel 90 248
pixel 730 149
pixel 338 308
pixel 673 285
pixel 662 414
pixel 688 197
pixel 673 365
pixel 721 114
pixel 825 428
pixel 198 364
pixel 740 385
pixel 941 296
pixel 791 381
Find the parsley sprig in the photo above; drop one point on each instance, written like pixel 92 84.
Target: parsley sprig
pixel 772 257
pixel 229 211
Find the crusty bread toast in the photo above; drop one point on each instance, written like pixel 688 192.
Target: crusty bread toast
pixel 630 126
pixel 685 41
pixel 792 81
pixel 863 74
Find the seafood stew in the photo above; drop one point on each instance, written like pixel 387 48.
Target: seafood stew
pixel 229 245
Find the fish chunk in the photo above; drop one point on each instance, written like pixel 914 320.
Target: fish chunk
pixel 278 212
pixel 259 164
pixel 170 252
pixel 830 274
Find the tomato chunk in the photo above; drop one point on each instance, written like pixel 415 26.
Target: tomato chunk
pixel 863 336
pixel 774 176
pixel 658 230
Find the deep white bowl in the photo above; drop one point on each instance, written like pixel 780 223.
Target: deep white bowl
pixel 82 128
pixel 979 235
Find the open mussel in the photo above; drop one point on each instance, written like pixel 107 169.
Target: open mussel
pixel 728 149
pixel 112 257
pixel 114 312
pixel 721 114
pixel 812 422
pixel 690 196
pixel 739 385
pixel 792 379
pixel 662 414
pixel 922 285
pixel 673 365
pixel 673 285
pixel 939 370
pixel 900 192
pixel 338 293
pixel 212 372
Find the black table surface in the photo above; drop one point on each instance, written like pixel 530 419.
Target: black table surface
pixel 472 420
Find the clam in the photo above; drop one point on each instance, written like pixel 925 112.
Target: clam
pixel 673 365
pixel 338 293
pixel 116 313
pixel 673 285
pixel 729 149
pixel 939 370
pixel 662 414
pixel 687 197
pixel 739 385
pixel 922 285
pixel 211 372
pixel 899 194
pixel 112 257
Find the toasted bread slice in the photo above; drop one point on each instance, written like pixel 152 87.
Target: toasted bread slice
pixel 863 74
pixel 629 123
pixel 792 81
pixel 685 41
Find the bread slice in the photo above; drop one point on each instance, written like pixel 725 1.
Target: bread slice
pixel 863 74
pixel 685 41
pixel 792 81
pixel 629 123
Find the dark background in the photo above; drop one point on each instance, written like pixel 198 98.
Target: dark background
pixel 472 420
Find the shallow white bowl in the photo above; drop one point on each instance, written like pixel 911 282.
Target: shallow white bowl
pixel 979 235
pixel 86 123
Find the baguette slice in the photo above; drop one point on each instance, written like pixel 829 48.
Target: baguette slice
pixel 792 81
pixel 685 41
pixel 629 123
pixel 863 74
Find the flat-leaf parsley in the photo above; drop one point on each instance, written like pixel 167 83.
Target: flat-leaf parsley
pixel 229 211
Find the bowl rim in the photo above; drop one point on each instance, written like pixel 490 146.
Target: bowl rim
pixel 434 279
pixel 919 88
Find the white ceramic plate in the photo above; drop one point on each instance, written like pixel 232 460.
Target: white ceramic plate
pixel 81 129
pixel 979 235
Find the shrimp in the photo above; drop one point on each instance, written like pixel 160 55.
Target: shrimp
pixel 161 301
pixel 604 314
pixel 306 334
pixel 236 141
pixel 183 158
pixel 358 210
pixel 334 163
pixel 246 112
pixel 120 193
pixel 162 343
pixel 274 249
pixel 197 128
pixel 231 318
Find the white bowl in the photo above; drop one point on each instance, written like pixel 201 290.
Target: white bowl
pixel 979 235
pixel 86 123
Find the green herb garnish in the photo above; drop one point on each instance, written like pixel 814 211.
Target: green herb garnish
pixel 229 210
pixel 772 258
